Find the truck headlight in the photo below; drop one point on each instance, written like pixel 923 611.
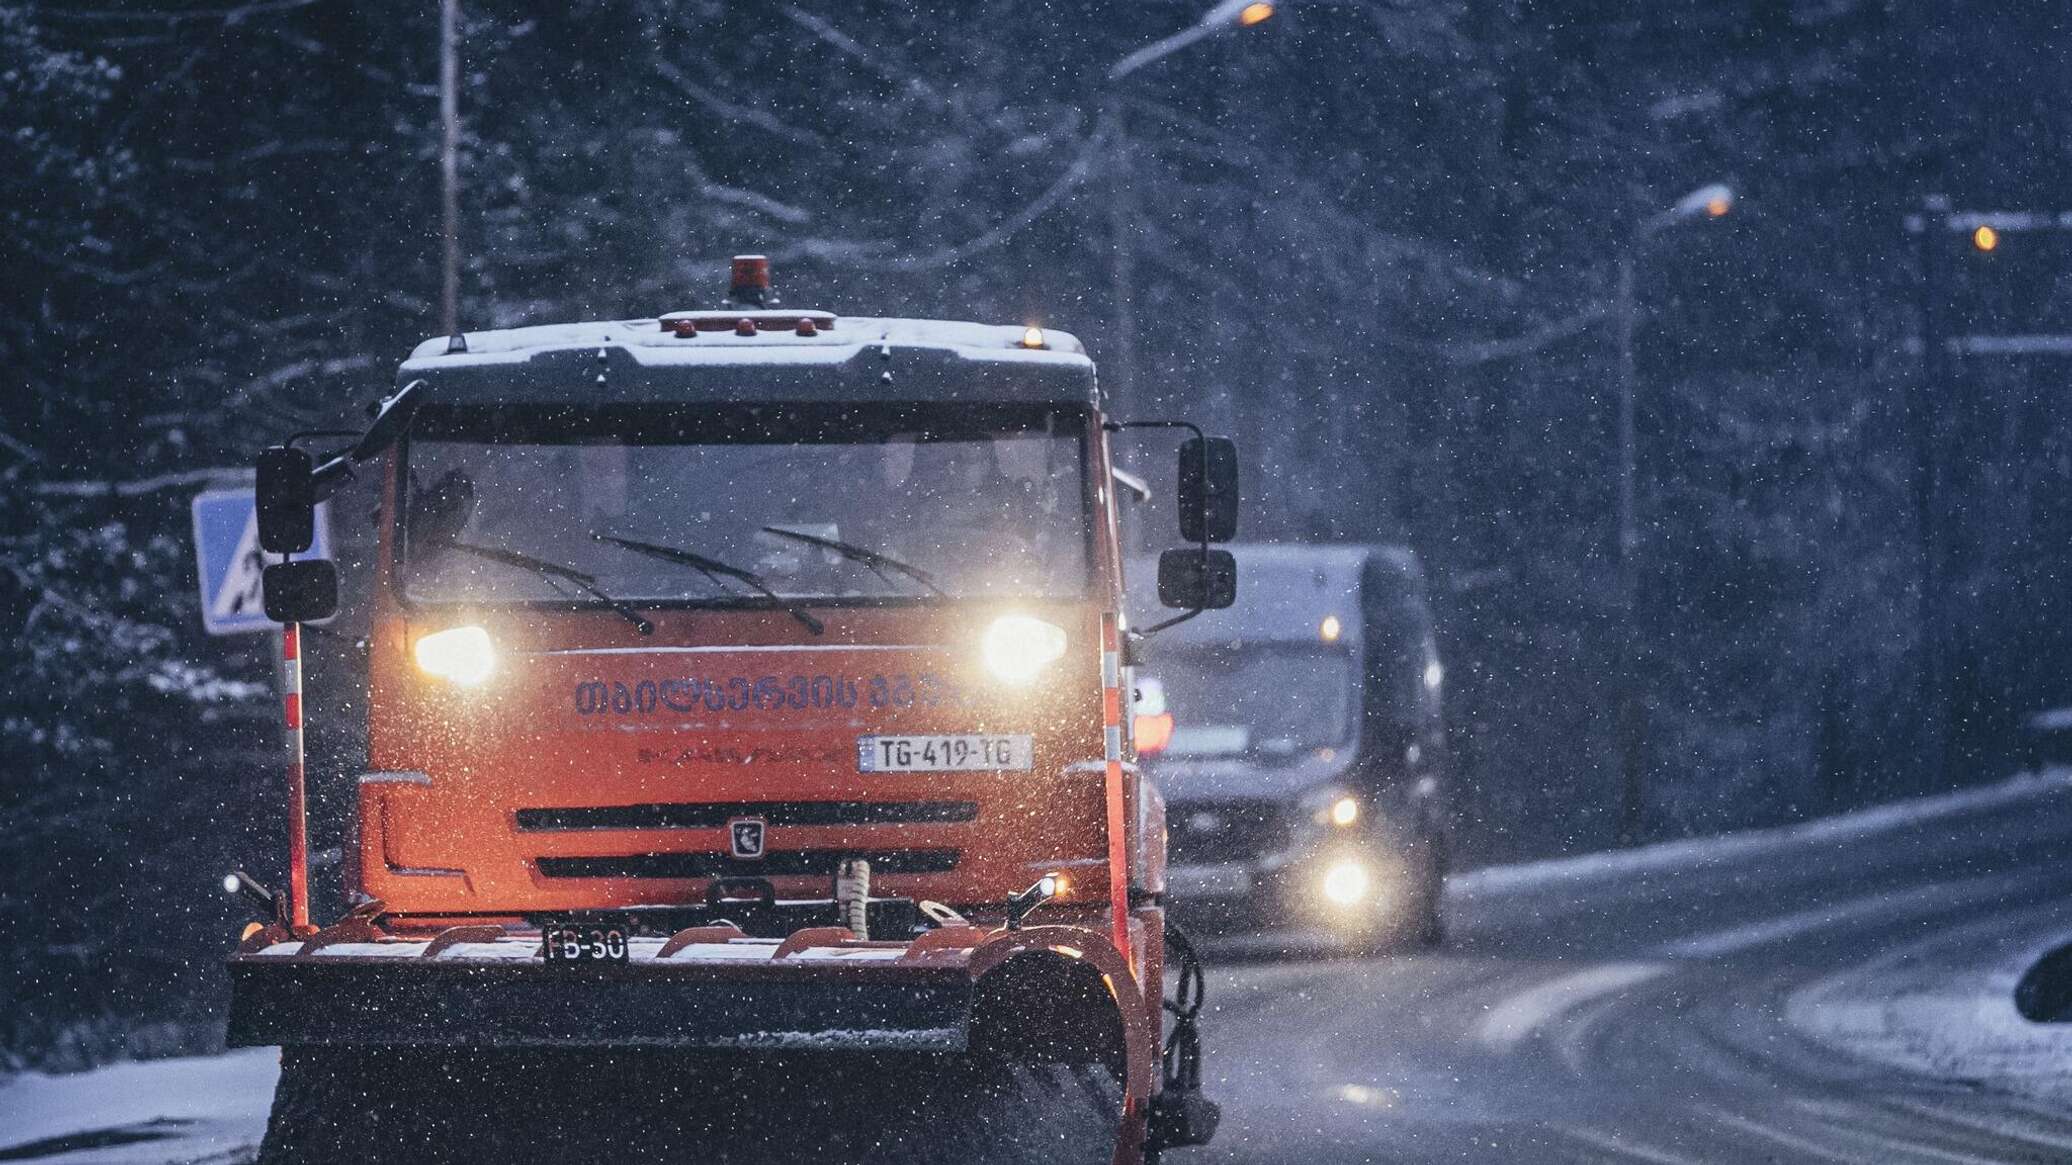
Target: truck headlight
pixel 1332 805
pixel 1346 882
pixel 463 655
pixel 1018 647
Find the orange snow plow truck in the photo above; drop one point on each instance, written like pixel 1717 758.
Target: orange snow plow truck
pixel 750 767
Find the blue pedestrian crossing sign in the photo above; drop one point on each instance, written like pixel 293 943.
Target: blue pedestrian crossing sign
pixel 229 561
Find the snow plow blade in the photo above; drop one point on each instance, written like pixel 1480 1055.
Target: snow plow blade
pixel 812 991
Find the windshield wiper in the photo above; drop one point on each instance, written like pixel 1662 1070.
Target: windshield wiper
pixel 878 563
pixel 709 567
pixel 554 570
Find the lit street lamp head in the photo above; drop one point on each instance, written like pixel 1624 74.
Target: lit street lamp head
pixel 1713 201
pixel 1227 15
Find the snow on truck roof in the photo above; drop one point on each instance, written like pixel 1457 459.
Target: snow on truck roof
pixel 757 354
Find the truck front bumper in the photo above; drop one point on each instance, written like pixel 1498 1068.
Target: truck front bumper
pixel 736 994
pixel 1280 890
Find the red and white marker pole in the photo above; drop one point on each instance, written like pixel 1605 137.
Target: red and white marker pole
pixel 298 794
pixel 1118 807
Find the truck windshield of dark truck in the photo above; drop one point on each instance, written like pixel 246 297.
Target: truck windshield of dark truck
pixel 1262 702
pixel 942 502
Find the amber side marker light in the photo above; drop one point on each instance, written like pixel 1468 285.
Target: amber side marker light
pixel 1154 732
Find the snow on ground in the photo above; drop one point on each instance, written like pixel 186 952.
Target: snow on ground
pixel 199 1109
pixel 1944 1006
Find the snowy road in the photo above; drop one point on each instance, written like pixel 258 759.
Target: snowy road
pixel 1832 992
pixel 1836 992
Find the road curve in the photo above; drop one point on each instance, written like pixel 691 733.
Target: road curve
pixel 1642 1011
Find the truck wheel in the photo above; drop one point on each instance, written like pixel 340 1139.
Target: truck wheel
pixel 1023 1114
pixel 293 1124
pixel 331 1105
pixel 1430 921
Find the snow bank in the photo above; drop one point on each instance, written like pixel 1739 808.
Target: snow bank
pixel 203 1107
pixel 1698 852
pixel 1945 1006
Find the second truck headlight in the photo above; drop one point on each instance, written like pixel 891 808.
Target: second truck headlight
pixel 463 655
pixel 1018 647
pixel 1333 805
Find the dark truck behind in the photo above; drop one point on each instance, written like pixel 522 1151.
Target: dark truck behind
pixel 1300 745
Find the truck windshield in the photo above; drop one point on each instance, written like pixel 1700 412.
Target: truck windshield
pixel 780 507
pixel 1261 702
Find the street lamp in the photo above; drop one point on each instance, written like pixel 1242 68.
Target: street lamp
pixel 1706 202
pixel 1227 15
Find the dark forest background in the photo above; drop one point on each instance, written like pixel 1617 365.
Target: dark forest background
pixel 1375 239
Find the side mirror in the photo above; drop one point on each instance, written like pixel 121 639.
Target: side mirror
pixel 1208 491
pixel 1197 580
pixel 390 419
pixel 286 499
pixel 301 592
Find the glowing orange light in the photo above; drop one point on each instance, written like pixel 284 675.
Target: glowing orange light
pixel 1252 14
pixel 1718 207
pixel 1154 733
pixel 1985 238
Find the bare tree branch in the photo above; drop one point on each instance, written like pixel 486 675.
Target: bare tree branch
pixel 868 58
pixel 1487 351
pixel 759 118
pixel 854 255
pixel 140 486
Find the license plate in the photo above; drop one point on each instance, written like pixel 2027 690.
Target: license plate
pixel 969 752
pixel 584 942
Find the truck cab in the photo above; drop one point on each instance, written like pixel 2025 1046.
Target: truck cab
pixel 739 680
pixel 1300 744
pixel 734 619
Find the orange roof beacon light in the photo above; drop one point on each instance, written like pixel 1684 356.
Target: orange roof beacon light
pixel 1255 13
pixel 1985 238
pixel 767 774
pixel 750 284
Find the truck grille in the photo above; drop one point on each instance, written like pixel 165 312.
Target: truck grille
pixel 775 864
pixel 1203 832
pixel 712 815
